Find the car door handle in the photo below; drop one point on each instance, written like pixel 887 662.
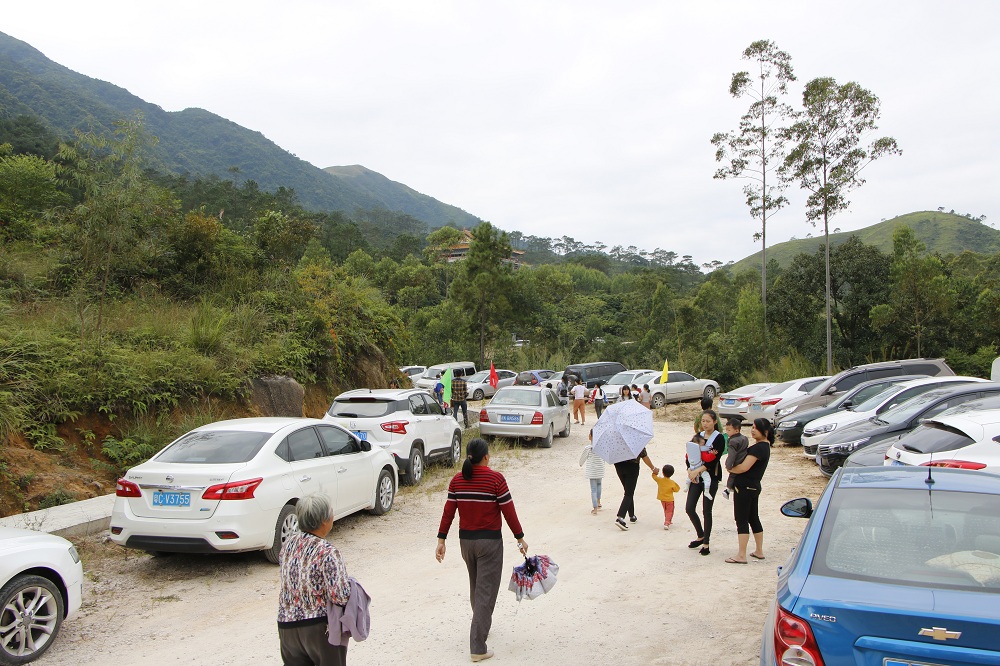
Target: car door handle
pixel 341 470
pixel 305 477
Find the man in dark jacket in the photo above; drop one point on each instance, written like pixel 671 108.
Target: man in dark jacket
pixel 459 398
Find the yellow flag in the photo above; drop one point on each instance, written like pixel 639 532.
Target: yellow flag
pixel 666 368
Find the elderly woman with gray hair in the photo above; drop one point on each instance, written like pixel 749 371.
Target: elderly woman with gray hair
pixel 312 575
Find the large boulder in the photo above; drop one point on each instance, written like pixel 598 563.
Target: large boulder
pixel 277 396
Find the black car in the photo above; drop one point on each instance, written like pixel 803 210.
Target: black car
pixel 790 430
pixel 874 455
pixel 894 422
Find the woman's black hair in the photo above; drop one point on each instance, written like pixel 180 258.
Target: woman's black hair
pixel 765 428
pixel 475 452
pixel 715 417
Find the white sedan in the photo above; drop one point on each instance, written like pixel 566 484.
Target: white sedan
pixel 480 387
pixel 961 439
pixel 232 485
pixel 528 412
pixel 766 402
pixel 820 429
pixel 41 583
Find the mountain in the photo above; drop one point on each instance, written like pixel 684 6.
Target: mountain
pixel 198 142
pixel 944 233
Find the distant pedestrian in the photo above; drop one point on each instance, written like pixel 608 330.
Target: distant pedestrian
pixel 439 392
pixel 665 489
pixel 480 496
pixel 459 398
pixel 562 387
pixel 593 469
pixel 645 397
pixel 579 406
pixel 624 393
pixel 599 399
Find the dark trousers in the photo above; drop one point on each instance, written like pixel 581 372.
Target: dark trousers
pixel 746 512
pixel 628 474
pixel 599 407
pixel 310 646
pixel 464 406
pixel 484 560
pixel 694 492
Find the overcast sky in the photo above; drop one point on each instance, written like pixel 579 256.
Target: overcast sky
pixel 584 118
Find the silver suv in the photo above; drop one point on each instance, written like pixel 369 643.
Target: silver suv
pixel 407 423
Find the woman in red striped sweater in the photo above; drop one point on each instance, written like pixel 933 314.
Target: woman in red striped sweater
pixel 480 495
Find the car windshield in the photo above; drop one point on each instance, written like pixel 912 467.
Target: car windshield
pixel 622 378
pixel 479 378
pixel 877 399
pixel 362 407
pixel 214 447
pixel 905 411
pixel 936 539
pixel 518 397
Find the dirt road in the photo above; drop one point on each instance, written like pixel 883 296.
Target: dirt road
pixel 635 597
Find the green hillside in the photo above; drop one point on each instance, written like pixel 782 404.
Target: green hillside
pixel 944 233
pixel 195 141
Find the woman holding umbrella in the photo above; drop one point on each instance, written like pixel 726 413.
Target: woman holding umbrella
pixel 480 495
pixel 620 438
pixel 710 431
pixel 628 474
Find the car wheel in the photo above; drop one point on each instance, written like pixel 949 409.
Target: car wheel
pixel 385 493
pixel 658 400
pixel 32 612
pixel 478 395
pixel 455 454
pixel 415 467
pixel 565 431
pixel 547 442
pixel 709 392
pixel 286 526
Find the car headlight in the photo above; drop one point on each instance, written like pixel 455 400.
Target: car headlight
pixel 785 411
pixel 821 430
pixel 845 448
pixel 788 424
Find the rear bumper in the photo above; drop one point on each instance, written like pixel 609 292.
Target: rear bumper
pixel 254 530
pixel 514 430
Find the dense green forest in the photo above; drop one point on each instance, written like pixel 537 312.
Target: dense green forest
pixel 133 294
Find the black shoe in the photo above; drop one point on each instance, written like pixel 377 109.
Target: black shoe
pixel 633 519
pixel 704 550
pixel 695 543
pixel 620 522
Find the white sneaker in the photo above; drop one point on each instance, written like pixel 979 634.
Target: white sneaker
pixel 708 496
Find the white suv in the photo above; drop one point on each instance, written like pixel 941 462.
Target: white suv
pixel 407 423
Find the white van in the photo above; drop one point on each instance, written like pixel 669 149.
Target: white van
pixel 460 369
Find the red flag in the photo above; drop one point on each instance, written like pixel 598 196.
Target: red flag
pixel 494 379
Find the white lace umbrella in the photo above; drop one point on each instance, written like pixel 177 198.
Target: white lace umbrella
pixel 623 431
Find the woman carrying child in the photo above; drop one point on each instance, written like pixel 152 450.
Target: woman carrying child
pixel 715 440
pixel 747 491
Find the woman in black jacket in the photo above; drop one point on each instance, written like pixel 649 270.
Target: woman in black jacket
pixel 710 431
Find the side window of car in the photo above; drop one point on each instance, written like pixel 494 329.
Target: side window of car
pixel 947 404
pixel 550 397
pixel 282 451
pixel 681 377
pixel 929 369
pixel 850 381
pixel 881 373
pixel 304 445
pixel 432 406
pixel 417 405
pixel 337 441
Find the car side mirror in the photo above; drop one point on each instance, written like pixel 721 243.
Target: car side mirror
pixel 364 445
pixel 797 508
pixel 831 390
pixel 563 401
pixel 847 403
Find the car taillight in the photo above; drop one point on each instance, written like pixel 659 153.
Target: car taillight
pixel 127 489
pixel 794 642
pixel 237 490
pixel 537 419
pixel 770 401
pixel 955 464
pixel 397 427
pixel 745 399
pixel 483 416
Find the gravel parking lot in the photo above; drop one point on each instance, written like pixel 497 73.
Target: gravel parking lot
pixel 624 597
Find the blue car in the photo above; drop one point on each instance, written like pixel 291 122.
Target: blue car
pixel 898 566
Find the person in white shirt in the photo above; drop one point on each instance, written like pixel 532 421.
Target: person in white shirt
pixel 579 400
pixel 597 397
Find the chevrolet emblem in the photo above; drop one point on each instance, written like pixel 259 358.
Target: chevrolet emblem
pixel 939 633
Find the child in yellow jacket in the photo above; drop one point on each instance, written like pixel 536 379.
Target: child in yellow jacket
pixel 665 489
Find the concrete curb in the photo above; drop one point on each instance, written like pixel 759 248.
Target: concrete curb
pixel 81 518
